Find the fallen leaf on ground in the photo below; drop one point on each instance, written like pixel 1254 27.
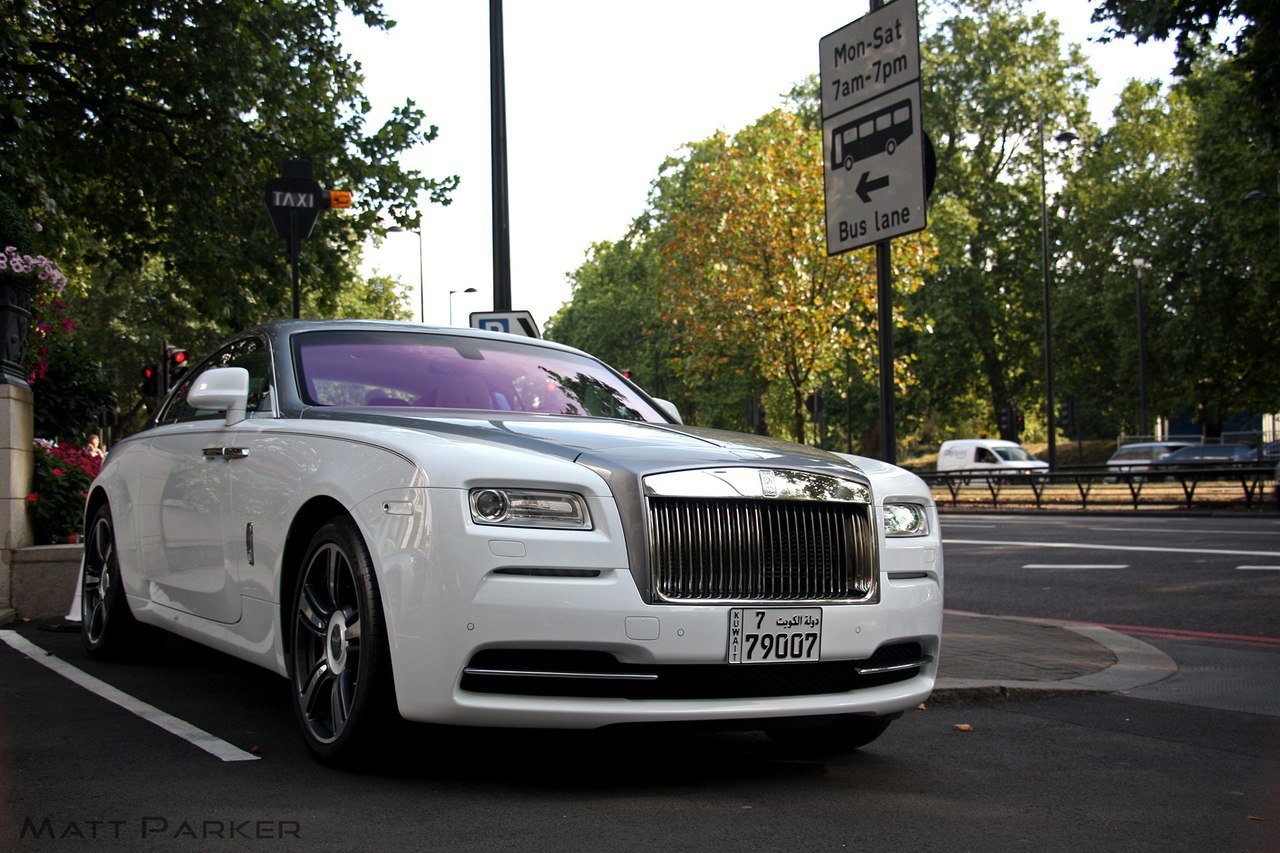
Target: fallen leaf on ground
pixel 963 727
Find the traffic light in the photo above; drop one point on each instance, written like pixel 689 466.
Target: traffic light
pixel 150 387
pixel 629 374
pixel 1067 416
pixel 177 362
pixel 1005 417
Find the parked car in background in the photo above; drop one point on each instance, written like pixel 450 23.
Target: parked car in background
pixel 1139 456
pixel 468 528
pixel 1208 454
pixel 987 454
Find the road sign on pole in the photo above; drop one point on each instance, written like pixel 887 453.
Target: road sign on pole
pixel 511 322
pixel 294 202
pixel 871 128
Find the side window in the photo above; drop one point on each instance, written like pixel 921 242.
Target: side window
pixel 984 456
pixel 253 355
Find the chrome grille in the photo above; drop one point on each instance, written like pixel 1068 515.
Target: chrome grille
pixel 739 550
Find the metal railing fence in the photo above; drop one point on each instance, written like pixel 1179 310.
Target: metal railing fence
pixel 1210 485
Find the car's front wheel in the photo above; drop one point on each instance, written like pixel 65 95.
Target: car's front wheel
pixel 107 624
pixel 339 668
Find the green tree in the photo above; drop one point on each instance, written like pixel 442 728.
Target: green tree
pixel 143 132
pixel 613 312
pixel 749 283
pixel 994 79
pixel 1168 184
pixel 1122 206
pixel 1197 26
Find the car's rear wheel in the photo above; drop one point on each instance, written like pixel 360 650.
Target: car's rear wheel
pixel 844 734
pixel 107 624
pixel 339 668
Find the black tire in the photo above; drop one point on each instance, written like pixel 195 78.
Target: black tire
pixel 844 734
pixel 107 623
pixel 339 664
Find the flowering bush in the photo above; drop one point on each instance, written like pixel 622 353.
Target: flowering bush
pixel 50 330
pixel 58 489
pixel 36 273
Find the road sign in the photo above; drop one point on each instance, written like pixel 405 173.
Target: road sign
pixel 871 128
pixel 511 322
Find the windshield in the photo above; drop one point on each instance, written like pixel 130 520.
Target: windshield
pixel 391 368
pixel 1015 454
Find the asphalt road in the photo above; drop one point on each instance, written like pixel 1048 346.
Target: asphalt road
pixel 1179 573
pixel 1106 772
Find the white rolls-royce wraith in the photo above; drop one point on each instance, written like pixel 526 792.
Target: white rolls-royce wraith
pixel 466 528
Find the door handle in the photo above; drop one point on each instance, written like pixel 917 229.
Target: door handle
pixel 226 452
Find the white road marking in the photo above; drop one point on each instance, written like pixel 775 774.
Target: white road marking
pixel 1087 547
pixel 1073 566
pixel 1258 568
pixel 197 737
pixel 1173 529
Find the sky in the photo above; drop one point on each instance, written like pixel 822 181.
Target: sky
pixel 598 95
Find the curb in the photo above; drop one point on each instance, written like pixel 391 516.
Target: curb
pixel 1137 665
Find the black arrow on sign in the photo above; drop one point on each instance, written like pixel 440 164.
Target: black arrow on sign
pixel 865 186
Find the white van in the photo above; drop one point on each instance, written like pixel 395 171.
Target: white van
pixel 985 454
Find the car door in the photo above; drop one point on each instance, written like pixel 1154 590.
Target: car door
pixel 190 558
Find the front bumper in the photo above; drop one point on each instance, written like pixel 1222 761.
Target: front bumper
pixel 490 601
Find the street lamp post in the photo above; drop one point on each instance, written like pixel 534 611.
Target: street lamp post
pixel 1141 265
pixel 1064 137
pixel 451 292
pixel 422 290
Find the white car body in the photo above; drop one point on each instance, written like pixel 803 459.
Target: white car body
pixel 212 516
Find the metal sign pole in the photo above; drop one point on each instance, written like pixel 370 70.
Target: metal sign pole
pixel 884 299
pixel 498 143
pixel 295 249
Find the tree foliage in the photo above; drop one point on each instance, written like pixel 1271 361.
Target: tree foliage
pixel 1198 28
pixel 995 80
pixel 749 281
pixel 141 133
pixel 735 281
pixel 613 313
pixel 1166 187
pixel 725 285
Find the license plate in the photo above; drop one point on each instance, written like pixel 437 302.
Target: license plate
pixel 775 634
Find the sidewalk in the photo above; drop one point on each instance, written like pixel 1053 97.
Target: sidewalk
pixel 986 657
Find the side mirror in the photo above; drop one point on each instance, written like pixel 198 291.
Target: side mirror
pixel 222 388
pixel 669 409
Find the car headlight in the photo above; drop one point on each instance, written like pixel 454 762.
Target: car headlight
pixel 903 519
pixel 529 508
